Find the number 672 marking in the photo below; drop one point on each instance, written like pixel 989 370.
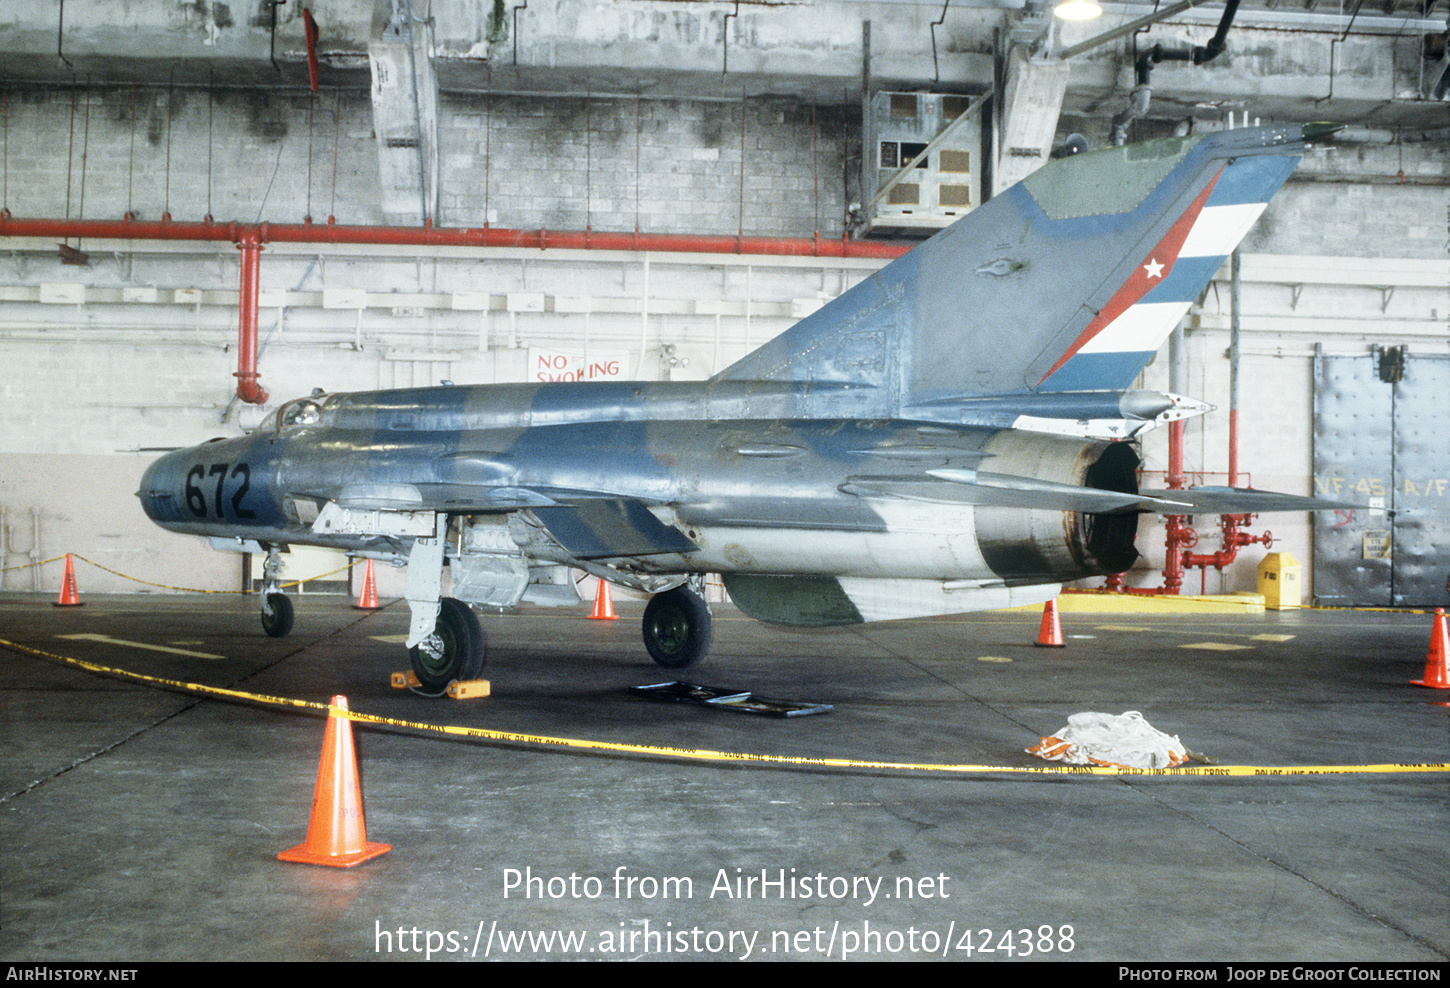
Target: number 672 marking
pixel 196 495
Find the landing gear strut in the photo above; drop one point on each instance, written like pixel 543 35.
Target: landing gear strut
pixel 453 651
pixel 276 606
pixel 677 627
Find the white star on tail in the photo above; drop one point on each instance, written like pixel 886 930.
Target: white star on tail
pixel 1154 269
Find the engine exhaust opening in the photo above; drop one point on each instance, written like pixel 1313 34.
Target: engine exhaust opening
pixel 1111 537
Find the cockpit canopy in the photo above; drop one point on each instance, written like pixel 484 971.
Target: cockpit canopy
pixel 298 412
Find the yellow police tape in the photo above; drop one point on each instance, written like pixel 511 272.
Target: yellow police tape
pixel 706 755
pixel 167 586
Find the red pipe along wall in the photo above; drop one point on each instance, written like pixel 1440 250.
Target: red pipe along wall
pixel 251 237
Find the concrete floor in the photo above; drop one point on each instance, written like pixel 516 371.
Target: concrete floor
pixel 144 824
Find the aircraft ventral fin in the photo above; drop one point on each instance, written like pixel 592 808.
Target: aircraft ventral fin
pixel 993 490
pixel 606 528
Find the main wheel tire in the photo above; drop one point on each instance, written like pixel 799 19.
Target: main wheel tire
pixel 677 627
pixel 277 615
pixel 459 650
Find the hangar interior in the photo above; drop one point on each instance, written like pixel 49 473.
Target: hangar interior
pixel 212 208
pixel 678 121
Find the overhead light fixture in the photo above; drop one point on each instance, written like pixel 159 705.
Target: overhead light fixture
pixel 1078 10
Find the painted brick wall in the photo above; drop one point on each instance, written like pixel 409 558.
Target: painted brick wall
pixel 667 166
pixel 235 155
pixel 670 166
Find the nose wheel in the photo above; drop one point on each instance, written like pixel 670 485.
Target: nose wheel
pixel 677 627
pixel 276 606
pixel 454 651
pixel 277 614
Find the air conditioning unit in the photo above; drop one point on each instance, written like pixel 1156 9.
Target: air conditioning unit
pixel 922 151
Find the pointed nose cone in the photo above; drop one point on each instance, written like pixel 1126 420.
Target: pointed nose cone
pixel 161 489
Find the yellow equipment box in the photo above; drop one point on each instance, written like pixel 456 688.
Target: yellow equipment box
pixel 1279 581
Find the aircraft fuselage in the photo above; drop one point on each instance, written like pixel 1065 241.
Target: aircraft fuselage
pixel 754 484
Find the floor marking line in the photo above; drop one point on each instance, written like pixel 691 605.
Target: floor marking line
pixel 108 640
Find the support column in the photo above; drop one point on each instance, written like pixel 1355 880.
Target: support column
pixel 1030 111
pixel 405 117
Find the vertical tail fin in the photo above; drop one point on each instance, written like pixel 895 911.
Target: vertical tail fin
pixel 1068 281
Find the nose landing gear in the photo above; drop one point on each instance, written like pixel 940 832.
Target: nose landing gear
pixel 277 614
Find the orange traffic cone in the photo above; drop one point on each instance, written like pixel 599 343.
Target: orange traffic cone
pixel 603 604
pixel 367 598
pixel 68 596
pixel 1437 676
pixel 1051 634
pixel 336 834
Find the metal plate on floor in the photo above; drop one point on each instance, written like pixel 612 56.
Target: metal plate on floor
pixel 720 698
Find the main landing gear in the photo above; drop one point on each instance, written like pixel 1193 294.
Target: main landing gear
pixel 454 651
pixel 677 627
